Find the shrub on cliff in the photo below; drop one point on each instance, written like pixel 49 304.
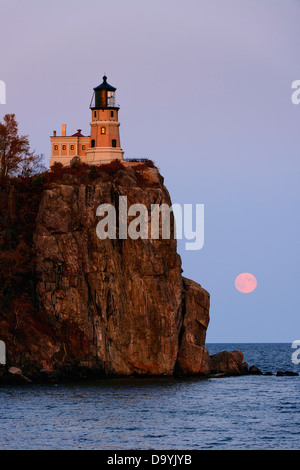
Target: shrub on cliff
pixel 57 168
pixel 112 167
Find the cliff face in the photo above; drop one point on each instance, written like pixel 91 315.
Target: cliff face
pixel 112 307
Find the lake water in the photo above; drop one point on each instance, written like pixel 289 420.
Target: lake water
pixel 249 412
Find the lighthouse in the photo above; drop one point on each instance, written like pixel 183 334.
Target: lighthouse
pixel 105 137
pixel 103 144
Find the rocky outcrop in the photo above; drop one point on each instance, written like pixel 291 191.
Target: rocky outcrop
pixel 253 370
pixel 226 362
pixel 287 373
pixel 104 307
pixel 193 357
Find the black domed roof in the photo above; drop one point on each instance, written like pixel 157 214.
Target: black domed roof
pixel 105 86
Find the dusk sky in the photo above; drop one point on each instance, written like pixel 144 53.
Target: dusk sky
pixel 204 89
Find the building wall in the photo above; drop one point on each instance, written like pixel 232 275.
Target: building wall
pixel 64 148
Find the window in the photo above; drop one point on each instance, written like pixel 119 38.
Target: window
pixel 114 143
pixel 93 143
pixel 64 147
pixel 111 114
pixel 95 114
pixel 55 147
pixel 72 147
pixel 83 147
pixel 103 130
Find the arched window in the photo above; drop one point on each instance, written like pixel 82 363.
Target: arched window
pixel 114 143
pixel 103 130
pixel 93 143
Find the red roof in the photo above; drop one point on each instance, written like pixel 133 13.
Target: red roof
pixel 78 134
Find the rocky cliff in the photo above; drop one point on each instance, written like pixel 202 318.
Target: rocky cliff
pixel 73 305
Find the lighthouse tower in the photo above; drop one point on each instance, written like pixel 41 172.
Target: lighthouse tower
pixel 105 139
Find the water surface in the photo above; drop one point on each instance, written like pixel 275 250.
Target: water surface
pixel 250 412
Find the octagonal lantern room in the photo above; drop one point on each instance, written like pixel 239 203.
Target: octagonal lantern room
pixel 104 96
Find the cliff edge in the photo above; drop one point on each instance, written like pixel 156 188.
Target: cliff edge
pixel 73 305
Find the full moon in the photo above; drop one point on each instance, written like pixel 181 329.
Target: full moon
pixel 245 283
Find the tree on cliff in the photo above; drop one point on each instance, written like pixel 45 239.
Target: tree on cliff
pixel 15 154
pixel 31 165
